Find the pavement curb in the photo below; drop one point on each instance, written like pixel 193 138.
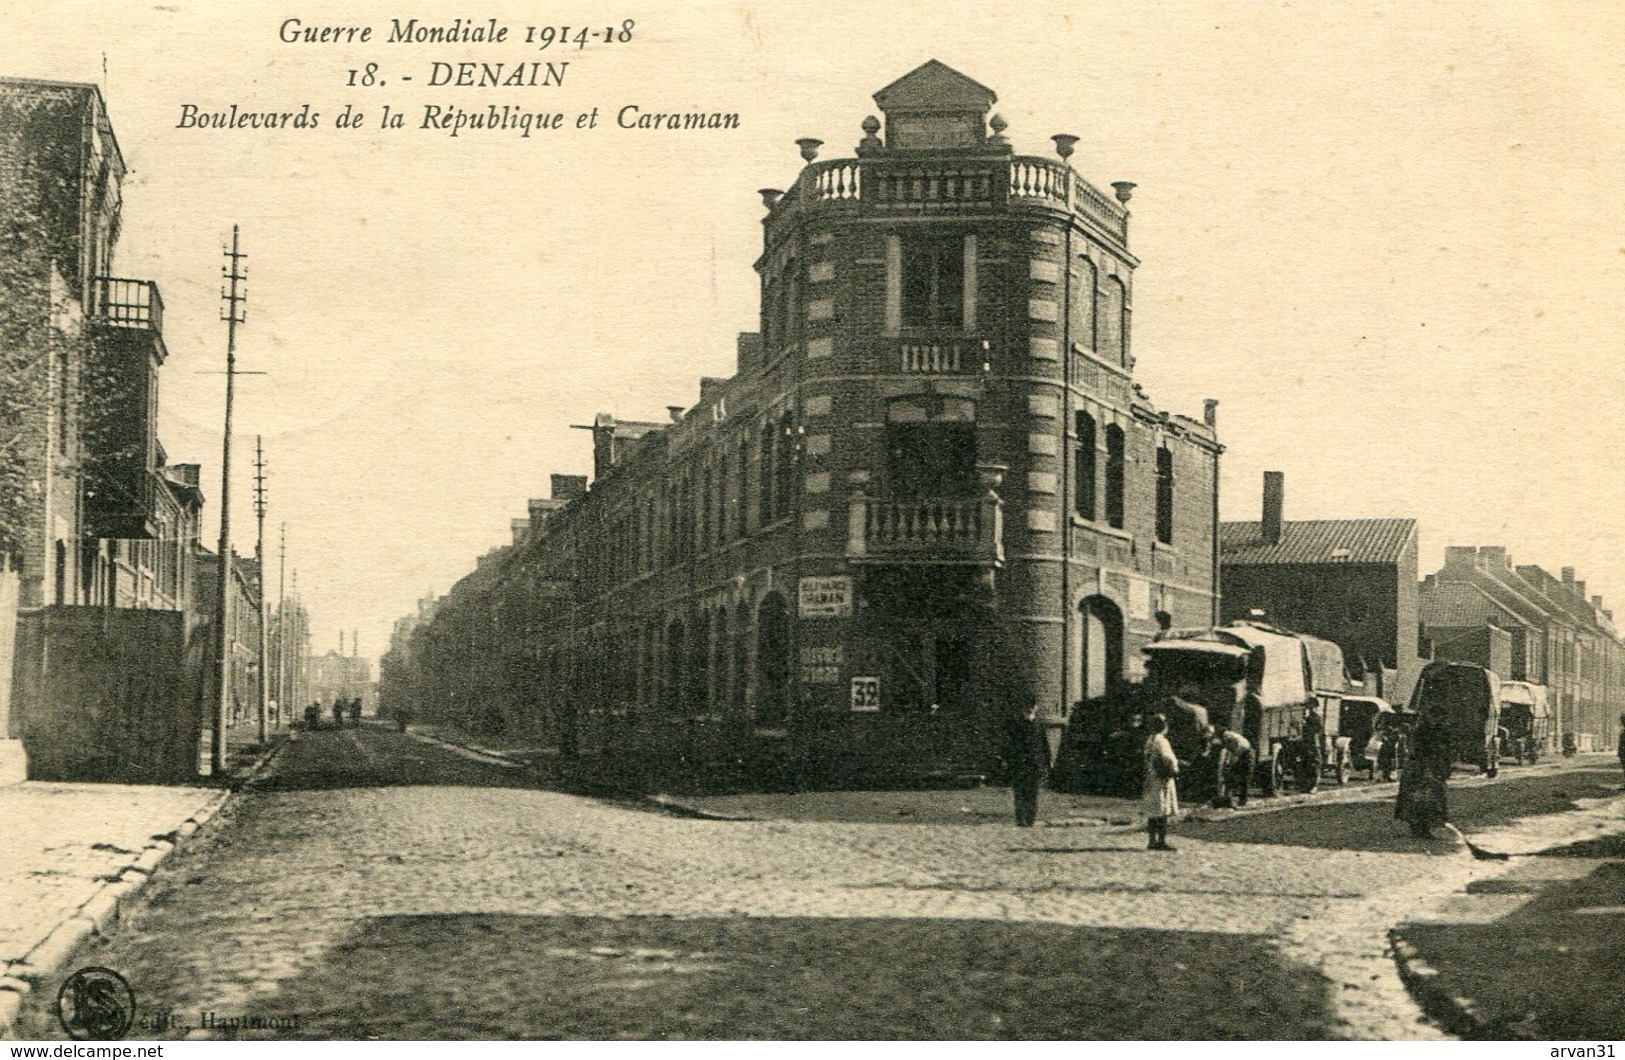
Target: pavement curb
pixel 1454 1013
pixel 101 914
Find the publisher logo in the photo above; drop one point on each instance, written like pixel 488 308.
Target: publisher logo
pixel 95 1004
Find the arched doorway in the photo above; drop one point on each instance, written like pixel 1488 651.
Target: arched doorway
pixel 772 661
pixel 1100 663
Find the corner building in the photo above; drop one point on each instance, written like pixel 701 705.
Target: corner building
pixel 931 491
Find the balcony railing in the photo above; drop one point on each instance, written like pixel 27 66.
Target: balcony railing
pixel 927 530
pixel 940 355
pixel 128 303
pixel 922 185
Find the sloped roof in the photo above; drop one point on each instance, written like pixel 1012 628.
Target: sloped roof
pixel 1445 604
pixel 1317 541
pixel 935 86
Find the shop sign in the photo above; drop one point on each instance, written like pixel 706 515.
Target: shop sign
pixel 825 597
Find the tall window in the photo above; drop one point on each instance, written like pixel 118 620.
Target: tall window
pixel 1085 471
pixel 768 456
pixel 1109 319
pixel 933 287
pixel 743 515
pixel 1114 476
pixel 1165 495
pixel 723 471
pixel 705 510
pixel 1083 304
pixel 784 468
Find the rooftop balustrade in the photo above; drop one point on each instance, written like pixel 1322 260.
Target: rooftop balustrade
pixel 925 185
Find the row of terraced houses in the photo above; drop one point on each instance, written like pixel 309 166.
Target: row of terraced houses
pixel 931 491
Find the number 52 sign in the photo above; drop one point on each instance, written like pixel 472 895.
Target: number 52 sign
pixel 866 693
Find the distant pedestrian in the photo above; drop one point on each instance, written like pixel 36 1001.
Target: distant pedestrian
pixel 338 712
pixel 1423 779
pixel 313 715
pixel 1235 768
pixel 1026 761
pixel 1312 750
pixel 355 712
pixel 1160 796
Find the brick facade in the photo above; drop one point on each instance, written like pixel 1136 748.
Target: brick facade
pixel 1556 635
pixel 931 491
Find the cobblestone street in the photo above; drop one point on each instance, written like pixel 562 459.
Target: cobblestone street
pixel 375 885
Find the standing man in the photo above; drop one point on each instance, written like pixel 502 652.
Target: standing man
pixel 1424 777
pixel 1026 761
pixel 1314 749
pixel 1235 767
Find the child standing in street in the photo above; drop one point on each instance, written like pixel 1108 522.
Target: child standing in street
pixel 1161 796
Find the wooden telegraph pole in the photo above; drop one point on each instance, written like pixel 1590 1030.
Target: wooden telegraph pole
pixel 234 297
pixel 259 558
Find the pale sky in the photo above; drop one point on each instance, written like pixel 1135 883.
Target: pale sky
pixel 1386 235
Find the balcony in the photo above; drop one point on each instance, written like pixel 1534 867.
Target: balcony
pixel 953 531
pixel 882 185
pixel 937 355
pixel 123 303
pixel 120 503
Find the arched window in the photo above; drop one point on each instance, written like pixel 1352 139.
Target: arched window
pixel 1165 495
pixel 1083 501
pixel 773 661
pixel 1114 476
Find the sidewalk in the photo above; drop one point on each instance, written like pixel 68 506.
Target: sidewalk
pixel 1530 948
pixel 74 856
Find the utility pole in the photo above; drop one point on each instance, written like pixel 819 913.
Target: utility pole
pixel 233 315
pixel 281 626
pixel 259 558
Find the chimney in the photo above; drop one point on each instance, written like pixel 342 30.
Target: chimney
pixel 1596 601
pixel 1568 575
pixel 675 412
pixel 520 528
pixel 1274 505
pixel 603 445
pixel 569 487
pixel 710 387
pixel 1210 413
pixel 1494 558
pixel 1460 557
pixel 749 351
pixel 1580 590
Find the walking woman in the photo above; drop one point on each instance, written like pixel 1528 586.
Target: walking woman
pixel 1161 796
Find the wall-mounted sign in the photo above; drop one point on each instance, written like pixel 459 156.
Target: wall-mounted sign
pixel 825 597
pixel 866 693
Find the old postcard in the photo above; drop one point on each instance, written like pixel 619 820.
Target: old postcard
pixel 744 520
